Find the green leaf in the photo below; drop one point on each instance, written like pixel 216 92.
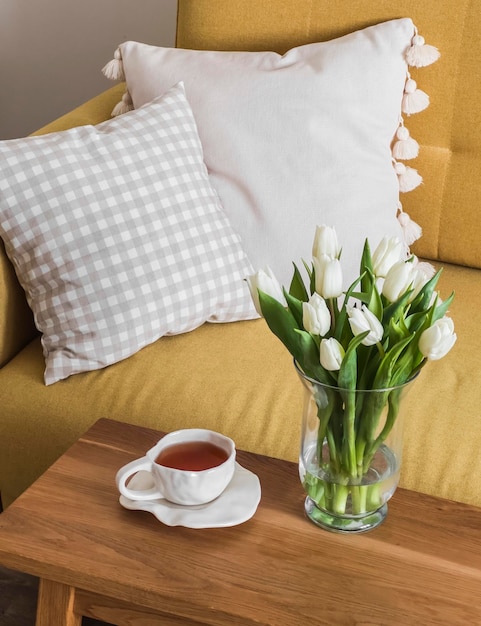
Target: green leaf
pixel 295 306
pixel 416 321
pixel 347 378
pixel 309 359
pixel 441 309
pixel 308 268
pixel 383 378
pixel 350 291
pixel 366 260
pixel 396 332
pixel 369 293
pixel 312 277
pixel 428 318
pixel 375 302
pixel 342 329
pixel 362 296
pixel 403 372
pixel 395 310
pixel 300 344
pixel 422 300
pixel 368 282
pixel 297 287
pixel 281 321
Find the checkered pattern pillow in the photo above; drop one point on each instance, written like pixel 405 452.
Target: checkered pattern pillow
pixel 117 236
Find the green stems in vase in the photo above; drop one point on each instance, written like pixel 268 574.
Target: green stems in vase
pixel 352 426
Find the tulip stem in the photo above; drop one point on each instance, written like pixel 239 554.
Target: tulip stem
pixel 360 448
pixel 331 303
pixel 380 349
pixel 350 433
pixel 340 499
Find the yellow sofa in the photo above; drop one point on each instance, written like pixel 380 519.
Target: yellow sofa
pixel 237 377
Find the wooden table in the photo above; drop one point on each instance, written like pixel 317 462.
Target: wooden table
pixel 94 558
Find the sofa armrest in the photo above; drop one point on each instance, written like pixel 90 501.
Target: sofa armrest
pixel 94 111
pixel 16 320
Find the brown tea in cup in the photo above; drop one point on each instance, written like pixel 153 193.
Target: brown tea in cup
pixel 194 456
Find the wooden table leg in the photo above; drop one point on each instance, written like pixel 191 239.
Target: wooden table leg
pixel 56 605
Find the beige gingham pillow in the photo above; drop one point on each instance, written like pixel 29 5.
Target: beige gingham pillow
pixel 117 236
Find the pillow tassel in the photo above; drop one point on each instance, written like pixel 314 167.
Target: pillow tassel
pixel 420 53
pixel 124 106
pixel 114 70
pixel 426 268
pixel 414 99
pixel 410 229
pixel 408 177
pixel 405 147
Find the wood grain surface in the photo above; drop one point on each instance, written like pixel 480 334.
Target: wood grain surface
pixel 422 566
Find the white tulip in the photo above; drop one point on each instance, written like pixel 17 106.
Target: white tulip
pixel 437 340
pixel 331 353
pixel 418 282
pixel 316 317
pixel 387 253
pixel 325 242
pixel 265 281
pixel 328 272
pixel 361 320
pixel 398 280
pixel 422 272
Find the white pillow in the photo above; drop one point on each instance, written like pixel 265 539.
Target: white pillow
pixel 293 141
pixel 117 236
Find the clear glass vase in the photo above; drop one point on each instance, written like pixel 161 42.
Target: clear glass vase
pixel 350 454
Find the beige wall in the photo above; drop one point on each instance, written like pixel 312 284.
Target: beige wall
pixel 52 51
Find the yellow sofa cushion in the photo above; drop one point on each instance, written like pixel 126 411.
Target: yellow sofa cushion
pixel 239 379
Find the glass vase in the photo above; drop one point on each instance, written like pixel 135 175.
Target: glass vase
pixel 350 454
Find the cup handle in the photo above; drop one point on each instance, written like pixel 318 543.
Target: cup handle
pixel 127 471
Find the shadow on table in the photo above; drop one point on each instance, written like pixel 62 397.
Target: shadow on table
pixel 18 600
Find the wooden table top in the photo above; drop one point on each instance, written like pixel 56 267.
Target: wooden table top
pixel 422 566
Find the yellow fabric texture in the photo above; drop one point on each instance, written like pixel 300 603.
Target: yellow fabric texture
pixel 238 378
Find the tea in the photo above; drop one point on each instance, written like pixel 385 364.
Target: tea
pixel 192 456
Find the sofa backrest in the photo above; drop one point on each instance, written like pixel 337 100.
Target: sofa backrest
pixel 449 131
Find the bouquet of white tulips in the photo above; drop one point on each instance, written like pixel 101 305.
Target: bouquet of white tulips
pixel 392 309
pixel 376 335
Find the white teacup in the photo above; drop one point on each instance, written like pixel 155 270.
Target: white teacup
pixel 202 465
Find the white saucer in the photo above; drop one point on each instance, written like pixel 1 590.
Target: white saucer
pixel 235 505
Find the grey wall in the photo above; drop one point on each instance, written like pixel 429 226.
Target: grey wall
pixel 52 51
